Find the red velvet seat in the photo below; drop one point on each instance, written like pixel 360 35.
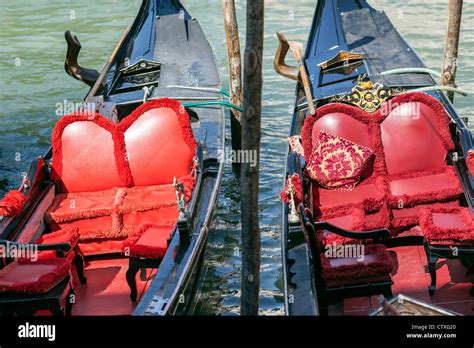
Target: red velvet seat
pixel 148 241
pixel 375 266
pixel 416 140
pixel 28 277
pixel 443 225
pixel 113 214
pixel 410 138
pixel 116 177
pixel 74 255
pixel 369 194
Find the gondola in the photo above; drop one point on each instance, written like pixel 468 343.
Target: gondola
pixel 378 191
pixel 117 213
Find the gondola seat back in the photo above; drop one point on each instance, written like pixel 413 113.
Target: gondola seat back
pixel 151 146
pixel 410 139
pixel 114 177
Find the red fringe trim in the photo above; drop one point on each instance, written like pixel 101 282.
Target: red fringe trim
pixel 142 250
pixel 306 136
pixel 12 203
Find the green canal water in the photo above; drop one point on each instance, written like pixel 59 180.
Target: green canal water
pixel 33 82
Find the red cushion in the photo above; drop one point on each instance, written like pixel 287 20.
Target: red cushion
pixel 148 241
pixel 354 220
pixel 150 147
pixel 27 277
pixel 424 187
pixel 74 206
pixel 415 135
pixel 337 163
pixel 408 216
pixel 343 125
pixel 342 120
pixel 447 225
pixel 93 229
pixel 160 142
pixel 154 197
pixel 11 204
pixel 68 235
pixel 108 216
pixel 162 217
pixel 410 137
pixel 376 264
pixel 88 154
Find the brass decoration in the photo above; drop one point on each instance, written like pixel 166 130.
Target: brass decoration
pixel 367 95
pixel 343 57
pixel 293 217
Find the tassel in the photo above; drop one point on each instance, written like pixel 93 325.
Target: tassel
pixel 12 203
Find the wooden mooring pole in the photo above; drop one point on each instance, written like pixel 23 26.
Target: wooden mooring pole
pixel 251 119
pixel 450 62
pixel 235 70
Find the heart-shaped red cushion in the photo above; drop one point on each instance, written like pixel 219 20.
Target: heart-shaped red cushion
pixel 150 147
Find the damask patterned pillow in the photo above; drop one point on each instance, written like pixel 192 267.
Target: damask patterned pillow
pixel 337 163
